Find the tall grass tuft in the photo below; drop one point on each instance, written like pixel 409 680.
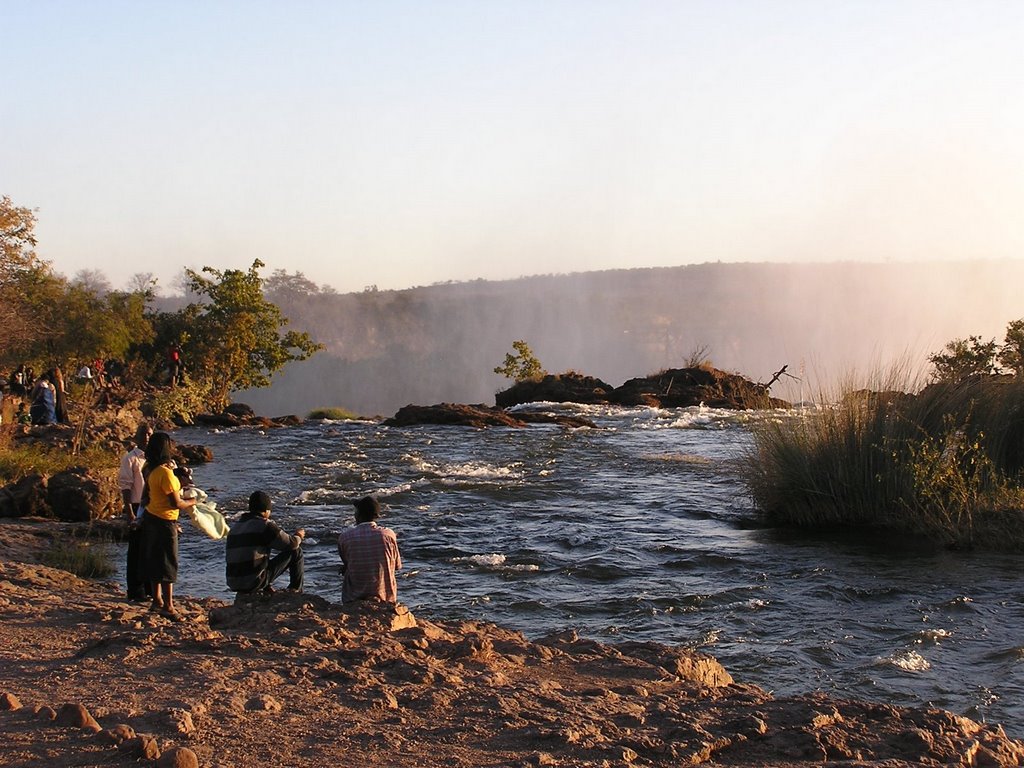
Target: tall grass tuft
pixel 81 556
pixel 944 464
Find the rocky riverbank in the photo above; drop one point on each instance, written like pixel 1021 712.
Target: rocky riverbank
pixel 87 678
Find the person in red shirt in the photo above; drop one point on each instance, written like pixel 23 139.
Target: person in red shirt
pixel 369 556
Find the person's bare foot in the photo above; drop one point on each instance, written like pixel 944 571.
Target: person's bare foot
pixel 171 613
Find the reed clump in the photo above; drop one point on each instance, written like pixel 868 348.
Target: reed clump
pixel 84 557
pixel 944 464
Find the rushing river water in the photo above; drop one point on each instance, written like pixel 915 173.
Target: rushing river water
pixel 633 531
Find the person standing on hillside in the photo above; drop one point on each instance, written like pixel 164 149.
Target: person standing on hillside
pixel 250 568
pixel 131 483
pixel 162 502
pixel 369 556
pixel 44 401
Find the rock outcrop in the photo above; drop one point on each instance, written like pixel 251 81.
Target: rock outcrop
pixel 478 416
pixel 241 415
pixel 673 388
pixel 76 495
pixel 25 498
pixel 562 388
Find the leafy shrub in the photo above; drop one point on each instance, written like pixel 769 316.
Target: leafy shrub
pixel 522 366
pixel 179 404
pixel 332 414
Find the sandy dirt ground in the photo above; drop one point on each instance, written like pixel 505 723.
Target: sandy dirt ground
pixel 89 679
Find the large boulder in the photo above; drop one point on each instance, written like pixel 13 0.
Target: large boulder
pixel 454 414
pixel 568 387
pixel 77 496
pixel 193 454
pixel 25 498
pixel 241 410
pixel 685 387
pixel 478 416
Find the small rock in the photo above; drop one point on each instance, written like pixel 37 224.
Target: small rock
pixel 182 721
pixel 141 746
pixel 544 758
pixel 118 734
pixel 9 702
pixel 263 703
pixel 45 713
pixel 386 700
pixel 178 757
pixel 77 716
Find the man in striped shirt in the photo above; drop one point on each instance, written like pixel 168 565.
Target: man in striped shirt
pixel 369 556
pixel 250 568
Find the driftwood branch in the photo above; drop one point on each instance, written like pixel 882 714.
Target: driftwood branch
pixel 779 374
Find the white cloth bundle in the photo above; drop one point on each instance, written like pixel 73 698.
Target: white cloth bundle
pixel 205 517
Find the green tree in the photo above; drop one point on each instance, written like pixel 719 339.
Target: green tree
pixel 235 340
pixel 1011 355
pixel 522 366
pixel 19 268
pixel 963 357
pixel 17 240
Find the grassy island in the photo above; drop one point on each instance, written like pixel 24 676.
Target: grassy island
pixel 943 465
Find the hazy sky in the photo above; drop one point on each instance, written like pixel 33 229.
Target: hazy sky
pixel 406 143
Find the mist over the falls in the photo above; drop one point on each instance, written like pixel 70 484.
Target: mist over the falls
pixel 826 321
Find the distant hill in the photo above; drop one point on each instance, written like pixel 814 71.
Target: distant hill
pixel 385 349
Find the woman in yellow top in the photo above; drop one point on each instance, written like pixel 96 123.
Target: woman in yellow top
pixel 160 523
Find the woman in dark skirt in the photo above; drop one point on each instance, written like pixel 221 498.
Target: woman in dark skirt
pixel 160 523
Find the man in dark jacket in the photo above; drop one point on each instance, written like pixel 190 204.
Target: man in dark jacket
pixel 250 568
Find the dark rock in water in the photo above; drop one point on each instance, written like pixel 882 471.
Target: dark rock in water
pixel 685 387
pixel 546 417
pixel 76 496
pixel 455 414
pixel 241 415
pixel 674 388
pixel 561 388
pixel 217 420
pixel 25 498
pixel 241 410
pixel 476 416
pixel 194 454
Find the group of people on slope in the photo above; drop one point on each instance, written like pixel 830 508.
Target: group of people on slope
pixel 42 399
pixel 257 550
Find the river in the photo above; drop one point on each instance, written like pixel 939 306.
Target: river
pixel 637 530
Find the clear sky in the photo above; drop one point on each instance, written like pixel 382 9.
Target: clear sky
pixel 406 143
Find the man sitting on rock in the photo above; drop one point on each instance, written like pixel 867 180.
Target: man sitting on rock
pixel 369 556
pixel 250 568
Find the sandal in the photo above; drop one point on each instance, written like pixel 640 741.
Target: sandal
pixel 155 607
